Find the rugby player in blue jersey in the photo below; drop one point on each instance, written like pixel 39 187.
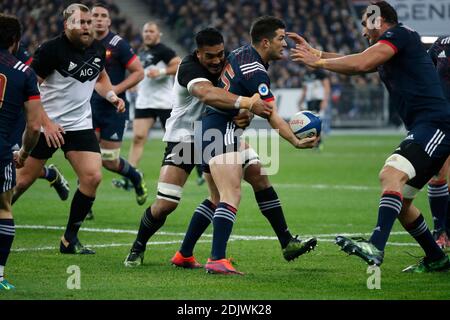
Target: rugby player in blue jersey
pixel 408 72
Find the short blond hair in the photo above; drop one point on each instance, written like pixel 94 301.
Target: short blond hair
pixel 69 11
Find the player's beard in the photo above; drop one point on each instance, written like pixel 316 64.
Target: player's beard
pixel 80 42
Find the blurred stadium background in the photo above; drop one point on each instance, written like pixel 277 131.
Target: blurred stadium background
pixel 355 102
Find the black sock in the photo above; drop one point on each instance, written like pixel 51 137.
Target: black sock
pixel 50 174
pixel 79 208
pixel 388 211
pixel 7 232
pixel 148 227
pixel 438 199
pixel 270 207
pixel 128 171
pixel 223 221
pixel 200 221
pixel 419 230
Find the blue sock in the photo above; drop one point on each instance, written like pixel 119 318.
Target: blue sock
pixel 270 207
pixel 224 218
pixel 202 218
pixel 438 199
pixel 130 172
pixel 50 174
pixel 7 232
pixel 389 209
pixel 419 230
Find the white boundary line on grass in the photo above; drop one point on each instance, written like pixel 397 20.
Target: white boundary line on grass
pixel 321 237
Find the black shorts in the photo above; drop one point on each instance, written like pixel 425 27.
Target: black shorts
pixel 162 114
pixel 183 155
pixel 7 175
pixel 82 140
pixel 427 148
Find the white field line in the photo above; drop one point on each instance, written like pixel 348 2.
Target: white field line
pixel 321 237
pixel 162 233
pixel 155 243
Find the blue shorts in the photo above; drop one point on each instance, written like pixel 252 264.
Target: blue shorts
pixel 427 146
pixel 220 135
pixel 7 175
pixel 110 124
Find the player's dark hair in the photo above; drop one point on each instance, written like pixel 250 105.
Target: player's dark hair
pixel 100 4
pixel 388 12
pixel 11 30
pixel 208 37
pixel 265 28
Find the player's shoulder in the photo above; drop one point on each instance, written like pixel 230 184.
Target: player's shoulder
pixel 115 40
pixel 190 61
pixel 162 47
pixel 15 67
pixel 444 40
pixel 53 44
pixel 247 61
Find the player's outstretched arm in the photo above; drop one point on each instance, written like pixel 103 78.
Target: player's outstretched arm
pixel 136 74
pixel 302 43
pixel 170 70
pixel 364 62
pixel 105 89
pixel 220 98
pixel 278 123
pixel 30 137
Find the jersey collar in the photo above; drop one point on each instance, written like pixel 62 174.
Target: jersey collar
pixel 266 65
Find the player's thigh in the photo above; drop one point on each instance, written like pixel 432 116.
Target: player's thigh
pixel 421 155
pixel 443 173
pixel 226 170
pixel 86 164
pixel 30 171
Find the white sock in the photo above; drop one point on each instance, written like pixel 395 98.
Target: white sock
pixel 2 268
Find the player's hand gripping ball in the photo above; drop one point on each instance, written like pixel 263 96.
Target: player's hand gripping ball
pixel 305 124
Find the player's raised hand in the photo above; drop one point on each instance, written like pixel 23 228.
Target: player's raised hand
pixel 300 42
pixel 53 134
pixel 260 107
pixel 302 55
pixel 306 143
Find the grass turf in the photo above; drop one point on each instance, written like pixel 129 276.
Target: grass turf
pixel 324 193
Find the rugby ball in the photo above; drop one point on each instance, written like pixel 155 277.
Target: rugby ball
pixel 305 124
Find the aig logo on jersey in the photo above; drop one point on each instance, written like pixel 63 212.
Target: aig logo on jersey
pixel 263 89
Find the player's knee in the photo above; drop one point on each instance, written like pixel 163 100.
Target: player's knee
pixel 139 139
pixel 91 180
pixel 162 208
pixel 111 165
pixel 23 183
pixel 169 195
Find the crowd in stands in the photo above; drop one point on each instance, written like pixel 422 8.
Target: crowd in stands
pixel 327 24
pixel 42 20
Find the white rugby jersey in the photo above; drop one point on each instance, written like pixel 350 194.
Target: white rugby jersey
pixel 186 108
pixel 69 74
pixel 155 93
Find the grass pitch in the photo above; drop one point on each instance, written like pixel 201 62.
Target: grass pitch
pixel 323 193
